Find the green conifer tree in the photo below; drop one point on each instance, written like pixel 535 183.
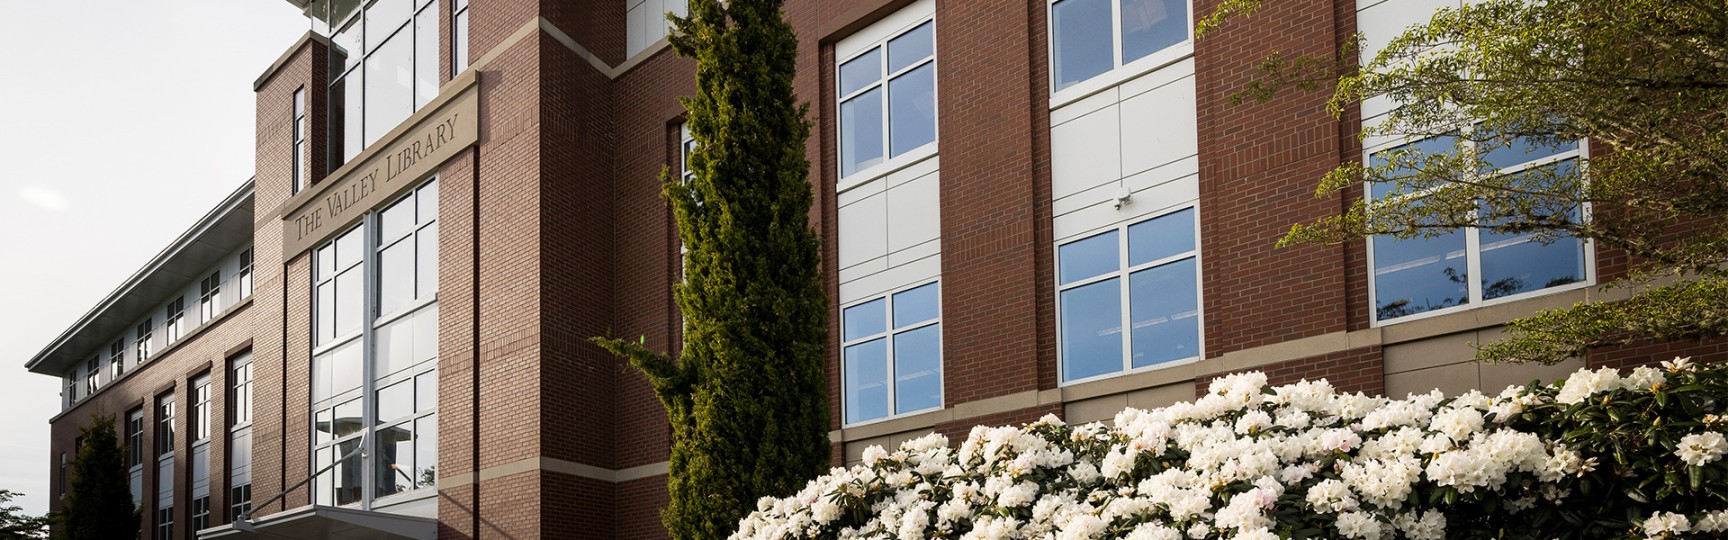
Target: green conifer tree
pixel 99 505
pixel 747 395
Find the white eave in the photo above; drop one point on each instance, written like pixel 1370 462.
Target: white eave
pixel 218 234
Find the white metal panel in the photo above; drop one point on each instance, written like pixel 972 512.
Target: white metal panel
pixel 875 284
pixel 1085 152
pixel 1159 126
pixel 637 29
pixel 863 230
pixel 914 213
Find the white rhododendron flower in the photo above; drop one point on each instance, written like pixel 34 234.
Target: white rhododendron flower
pixel 1661 523
pixel 1699 449
pixel 1244 460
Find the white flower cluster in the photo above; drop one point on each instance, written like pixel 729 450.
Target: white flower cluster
pixel 1235 463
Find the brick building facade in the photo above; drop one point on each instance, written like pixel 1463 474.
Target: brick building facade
pixel 1057 197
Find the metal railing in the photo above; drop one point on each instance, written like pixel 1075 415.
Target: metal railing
pixel 244 522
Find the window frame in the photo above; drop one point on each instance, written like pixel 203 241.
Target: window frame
pixel 1124 273
pixel 243 278
pixel 888 334
pixel 174 319
pixel 1120 71
pixel 889 161
pixel 372 245
pixel 117 359
pixel 142 343
pixel 1472 239
pixel 210 297
pixel 297 173
pixel 92 376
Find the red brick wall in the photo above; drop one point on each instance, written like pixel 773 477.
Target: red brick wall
pixel 1259 163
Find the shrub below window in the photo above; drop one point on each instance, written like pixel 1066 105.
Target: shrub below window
pixel 1599 455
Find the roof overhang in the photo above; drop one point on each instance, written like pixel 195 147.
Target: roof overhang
pixel 224 229
pixel 329 522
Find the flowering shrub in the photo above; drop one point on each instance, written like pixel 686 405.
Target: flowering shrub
pixel 1599 455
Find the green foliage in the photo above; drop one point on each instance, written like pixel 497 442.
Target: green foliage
pixel 99 505
pixel 1642 79
pixel 747 395
pixel 15 525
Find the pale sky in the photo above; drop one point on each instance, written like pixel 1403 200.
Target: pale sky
pixel 121 123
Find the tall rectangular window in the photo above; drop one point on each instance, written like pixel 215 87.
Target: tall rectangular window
pixel 70 391
pixel 143 341
pixel 394 346
pixel 892 351
pixel 116 360
pixel 244 278
pixel 1129 298
pixel 297 160
pixel 174 321
pixel 199 442
pixel 888 98
pixel 459 37
pixel 135 453
pixel 240 437
pixel 1434 273
pixel 384 66
pixel 209 297
pixel 1091 37
pixel 165 467
pixel 92 374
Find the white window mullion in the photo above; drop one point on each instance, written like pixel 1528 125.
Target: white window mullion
pixel 1124 290
pixel 893 372
pixel 1116 33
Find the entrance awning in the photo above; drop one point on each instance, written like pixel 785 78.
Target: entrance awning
pixel 329 522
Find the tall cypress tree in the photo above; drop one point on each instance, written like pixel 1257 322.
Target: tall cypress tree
pixel 99 505
pixel 747 395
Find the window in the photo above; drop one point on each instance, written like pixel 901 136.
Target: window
pixel 244 279
pixel 174 323
pixel 686 146
pixel 394 351
pixel 209 297
pixel 65 472
pixel 384 66
pixel 92 374
pixel 199 443
pixel 165 523
pixel 116 360
pixel 143 342
pixel 892 351
pixel 297 151
pixel 1091 37
pixel 70 392
pixel 1145 273
pixel 240 437
pixel 201 513
pixel 1424 275
pixel 165 467
pixel 165 424
pixel 888 98
pixel 135 453
pixel 459 37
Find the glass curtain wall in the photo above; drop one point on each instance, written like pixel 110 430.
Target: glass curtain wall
pixel 383 67
pixel 374 364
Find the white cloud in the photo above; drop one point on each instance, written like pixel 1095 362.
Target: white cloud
pixel 44 198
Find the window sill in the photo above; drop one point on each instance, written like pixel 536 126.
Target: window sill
pixel 1117 374
pixel 886 168
pixel 1115 77
pixel 1485 305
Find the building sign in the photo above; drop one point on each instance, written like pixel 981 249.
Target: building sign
pixel 382 171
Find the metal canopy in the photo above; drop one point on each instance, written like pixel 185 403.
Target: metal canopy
pixel 225 229
pixel 329 522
